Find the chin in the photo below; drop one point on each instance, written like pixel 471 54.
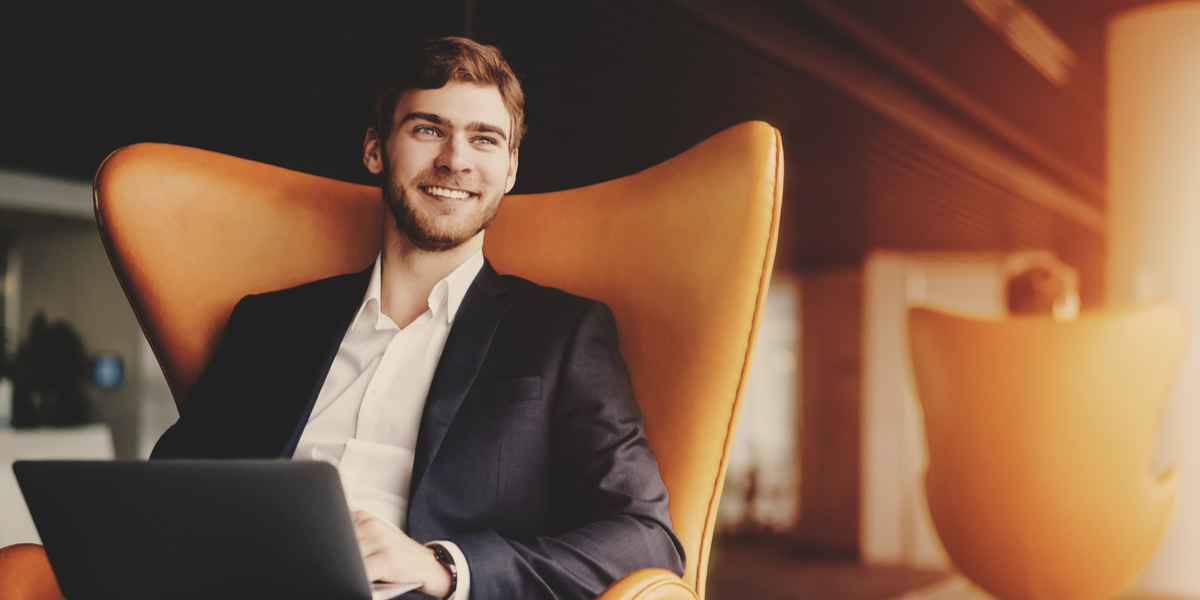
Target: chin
pixel 436 228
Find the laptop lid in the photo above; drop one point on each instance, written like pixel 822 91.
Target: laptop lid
pixel 195 529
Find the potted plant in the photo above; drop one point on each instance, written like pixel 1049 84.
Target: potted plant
pixel 49 373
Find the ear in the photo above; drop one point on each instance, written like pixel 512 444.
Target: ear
pixel 373 152
pixel 512 172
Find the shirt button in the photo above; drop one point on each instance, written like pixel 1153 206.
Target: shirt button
pixel 375 391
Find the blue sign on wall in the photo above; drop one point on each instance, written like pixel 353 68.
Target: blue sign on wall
pixel 108 370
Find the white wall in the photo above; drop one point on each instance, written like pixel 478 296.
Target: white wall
pixel 1154 234
pixel 67 274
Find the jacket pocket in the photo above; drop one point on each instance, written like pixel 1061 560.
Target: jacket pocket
pixel 506 392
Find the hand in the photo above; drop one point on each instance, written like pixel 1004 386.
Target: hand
pixel 393 557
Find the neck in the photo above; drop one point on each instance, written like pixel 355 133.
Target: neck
pixel 408 273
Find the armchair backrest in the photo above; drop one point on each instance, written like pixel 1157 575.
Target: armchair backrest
pixel 1040 438
pixel 681 252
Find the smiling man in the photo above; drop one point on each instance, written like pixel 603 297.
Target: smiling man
pixel 483 426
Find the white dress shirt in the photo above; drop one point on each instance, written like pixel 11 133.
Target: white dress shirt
pixel 367 415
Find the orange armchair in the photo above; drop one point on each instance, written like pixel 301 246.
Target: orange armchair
pixel 681 252
pixel 1040 435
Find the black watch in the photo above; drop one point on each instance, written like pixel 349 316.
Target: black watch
pixel 443 556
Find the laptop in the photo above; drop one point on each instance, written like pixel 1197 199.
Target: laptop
pixel 203 529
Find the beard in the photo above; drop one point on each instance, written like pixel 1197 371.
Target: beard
pixel 423 230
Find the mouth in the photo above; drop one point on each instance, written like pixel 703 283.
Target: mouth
pixel 445 193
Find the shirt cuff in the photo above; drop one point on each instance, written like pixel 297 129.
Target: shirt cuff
pixel 463 589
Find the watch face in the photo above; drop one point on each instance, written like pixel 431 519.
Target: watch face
pixel 441 554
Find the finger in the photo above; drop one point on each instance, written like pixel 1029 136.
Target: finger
pixel 373 528
pixel 379 566
pixel 371 563
pixel 364 531
pixel 371 545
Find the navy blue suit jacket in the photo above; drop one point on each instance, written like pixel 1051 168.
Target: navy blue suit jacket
pixel 530 455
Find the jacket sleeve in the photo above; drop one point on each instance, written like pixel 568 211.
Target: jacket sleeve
pixel 608 481
pixel 205 421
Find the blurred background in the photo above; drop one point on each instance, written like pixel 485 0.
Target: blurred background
pixel 955 152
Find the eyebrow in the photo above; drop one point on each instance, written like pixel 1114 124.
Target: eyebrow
pixel 478 126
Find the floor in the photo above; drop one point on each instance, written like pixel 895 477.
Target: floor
pixel 769 568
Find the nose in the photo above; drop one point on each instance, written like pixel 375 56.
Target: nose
pixel 454 157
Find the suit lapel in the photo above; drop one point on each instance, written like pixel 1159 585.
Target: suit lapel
pixel 325 324
pixel 484 305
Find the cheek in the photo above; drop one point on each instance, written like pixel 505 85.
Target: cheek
pixel 407 160
pixel 497 173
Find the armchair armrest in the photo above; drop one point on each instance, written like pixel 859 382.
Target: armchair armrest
pixel 649 584
pixel 25 574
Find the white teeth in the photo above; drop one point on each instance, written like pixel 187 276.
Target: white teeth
pixel 445 193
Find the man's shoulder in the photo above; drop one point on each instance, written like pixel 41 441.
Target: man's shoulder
pixel 346 287
pixel 552 308
pixel 522 290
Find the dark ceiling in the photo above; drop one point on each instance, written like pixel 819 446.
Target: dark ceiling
pixel 613 87
pixel 288 83
pixel 282 83
pixel 1086 8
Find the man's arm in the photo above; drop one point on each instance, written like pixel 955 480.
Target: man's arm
pixel 201 427
pixel 607 484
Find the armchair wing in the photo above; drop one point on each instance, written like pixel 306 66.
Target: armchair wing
pixel 681 252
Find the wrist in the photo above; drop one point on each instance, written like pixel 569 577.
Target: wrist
pixel 442 576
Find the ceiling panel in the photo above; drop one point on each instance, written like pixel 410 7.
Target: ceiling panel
pixel 613 86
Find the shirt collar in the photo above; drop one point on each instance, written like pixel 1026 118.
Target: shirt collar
pixel 452 288
pixel 459 281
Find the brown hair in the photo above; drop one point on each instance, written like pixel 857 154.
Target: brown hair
pixel 443 60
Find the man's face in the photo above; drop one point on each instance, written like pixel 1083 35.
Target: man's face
pixel 447 163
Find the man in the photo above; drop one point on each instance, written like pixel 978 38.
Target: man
pixel 484 427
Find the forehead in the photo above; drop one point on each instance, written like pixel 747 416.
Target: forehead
pixel 459 103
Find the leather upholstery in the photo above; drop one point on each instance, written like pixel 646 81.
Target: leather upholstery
pixel 25 574
pixel 1040 436
pixel 650 584
pixel 681 252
